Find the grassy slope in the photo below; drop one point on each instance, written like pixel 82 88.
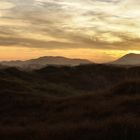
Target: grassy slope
pixel 86 102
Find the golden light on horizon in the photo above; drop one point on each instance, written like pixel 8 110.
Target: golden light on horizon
pixel 98 30
pixel 99 56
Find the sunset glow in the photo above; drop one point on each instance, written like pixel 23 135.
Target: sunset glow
pixel 99 30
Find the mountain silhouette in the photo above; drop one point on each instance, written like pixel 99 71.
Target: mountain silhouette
pixel 129 59
pixel 44 61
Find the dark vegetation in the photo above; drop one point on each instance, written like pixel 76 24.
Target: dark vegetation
pixel 91 102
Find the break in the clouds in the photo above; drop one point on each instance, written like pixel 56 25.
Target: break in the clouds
pixel 66 24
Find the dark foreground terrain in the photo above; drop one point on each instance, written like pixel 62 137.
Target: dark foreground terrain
pixel 91 102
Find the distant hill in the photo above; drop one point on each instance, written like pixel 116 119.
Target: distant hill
pixel 129 59
pixel 44 61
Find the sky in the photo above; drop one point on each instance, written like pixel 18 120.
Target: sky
pixel 99 30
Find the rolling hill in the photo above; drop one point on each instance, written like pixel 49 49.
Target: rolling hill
pixel 85 102
pixel 44 61
pixel 129 59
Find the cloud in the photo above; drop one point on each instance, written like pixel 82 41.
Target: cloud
pixel 6 5
pixel 96 24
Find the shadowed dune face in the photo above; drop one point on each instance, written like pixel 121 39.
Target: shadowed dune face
pixel 83 102
pixel 128 88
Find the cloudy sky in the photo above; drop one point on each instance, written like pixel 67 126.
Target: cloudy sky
pixel 99 30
